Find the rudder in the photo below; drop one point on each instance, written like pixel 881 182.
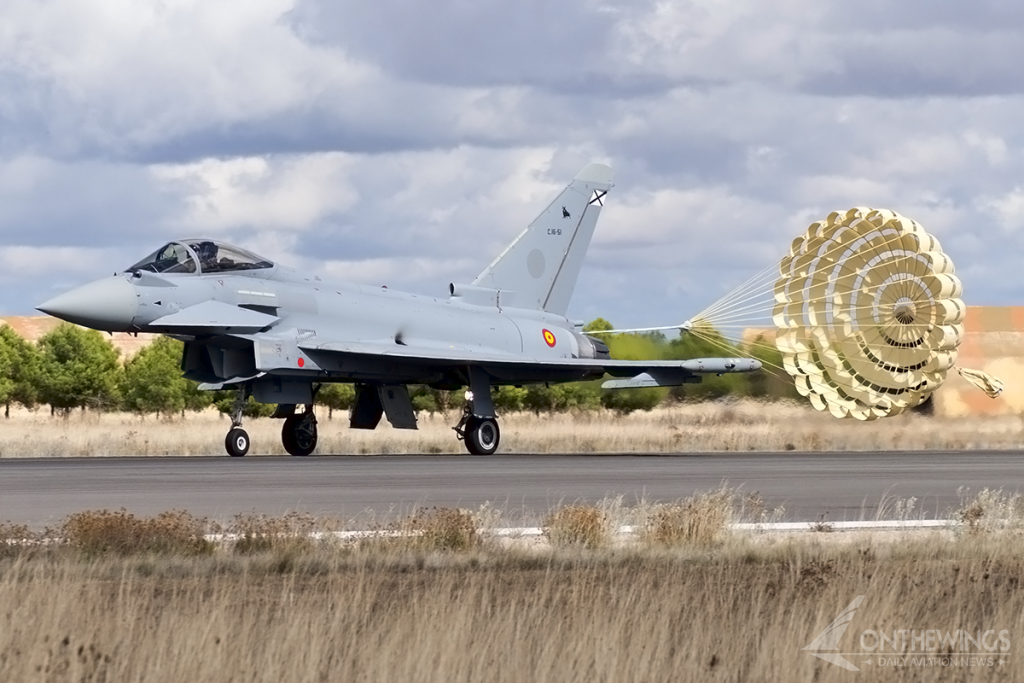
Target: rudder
pixel 543 263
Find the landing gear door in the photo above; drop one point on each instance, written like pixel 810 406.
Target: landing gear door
pixel 397 406
pixel 281 390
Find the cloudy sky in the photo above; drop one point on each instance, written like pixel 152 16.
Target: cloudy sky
pixel 403 142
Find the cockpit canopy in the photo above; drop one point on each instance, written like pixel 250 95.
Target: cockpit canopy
pixel 200 256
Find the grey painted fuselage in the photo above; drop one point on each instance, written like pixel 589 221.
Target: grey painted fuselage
pixel 276 333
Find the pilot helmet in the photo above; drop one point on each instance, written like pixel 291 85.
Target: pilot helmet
pixel 207 251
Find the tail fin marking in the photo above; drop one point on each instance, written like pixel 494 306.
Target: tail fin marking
pixel 543 263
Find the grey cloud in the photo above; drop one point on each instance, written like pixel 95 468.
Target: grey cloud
pixel 835 104
pixel 932 62
pixel 52 123
pixel 479 43
pixel 882 15
pixel 536 73
pixel 85 204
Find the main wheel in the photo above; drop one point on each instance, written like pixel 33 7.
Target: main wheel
pixel 299 434
pixel 482 435
pixel 237 442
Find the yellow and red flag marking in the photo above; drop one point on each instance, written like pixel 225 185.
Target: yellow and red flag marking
pixel 549 338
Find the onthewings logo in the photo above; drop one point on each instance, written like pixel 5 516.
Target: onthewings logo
pixel 911 647
pixel 826 645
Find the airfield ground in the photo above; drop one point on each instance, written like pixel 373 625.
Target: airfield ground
pixel 148 600
pixel 716 426
pixel 686 599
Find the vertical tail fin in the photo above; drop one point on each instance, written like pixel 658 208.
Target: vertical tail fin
pixel 542 264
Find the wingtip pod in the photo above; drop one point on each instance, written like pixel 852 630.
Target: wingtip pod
pixel 596 173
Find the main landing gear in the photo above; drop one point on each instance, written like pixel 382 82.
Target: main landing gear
pixel 299 433
pixel 479 426
pixel 481 434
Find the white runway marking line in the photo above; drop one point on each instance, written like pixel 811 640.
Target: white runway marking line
pixel 517 532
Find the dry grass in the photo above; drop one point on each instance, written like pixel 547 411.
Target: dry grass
pixel 14 539
pixel 445 529
pixel 733 426
pixel 741 612
pixel 990 511
pixel 701 520
pixel 122 533
pixel 453 606
pixel 577 526
pixel 290 533
pixel 423 530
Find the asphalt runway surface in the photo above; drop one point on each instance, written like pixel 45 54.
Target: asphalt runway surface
pixel 841 486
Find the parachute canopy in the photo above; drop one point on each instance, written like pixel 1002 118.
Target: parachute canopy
pixel 868 313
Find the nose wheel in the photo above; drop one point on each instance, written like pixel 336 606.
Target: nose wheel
pixel 237 442
pixel 299 433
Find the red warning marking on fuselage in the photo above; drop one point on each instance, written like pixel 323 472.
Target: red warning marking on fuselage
pixel 549 338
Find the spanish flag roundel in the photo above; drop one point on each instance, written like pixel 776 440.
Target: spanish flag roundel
pixel 549 338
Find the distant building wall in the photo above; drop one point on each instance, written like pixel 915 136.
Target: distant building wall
pixel 994 343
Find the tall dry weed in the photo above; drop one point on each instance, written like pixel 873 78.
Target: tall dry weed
pixel 101 532
pixel 289 533
pixel 18 539
pixel 577 526
pixel 445 529
pixel 990 511
pixel 753 510
pixel 424 530
pixel 700 520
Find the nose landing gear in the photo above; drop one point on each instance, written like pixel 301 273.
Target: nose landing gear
pixel 236 443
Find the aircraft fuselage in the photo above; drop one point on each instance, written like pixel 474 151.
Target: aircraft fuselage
pixel 271 319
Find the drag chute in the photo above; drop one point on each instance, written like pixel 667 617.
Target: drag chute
pixel 867 313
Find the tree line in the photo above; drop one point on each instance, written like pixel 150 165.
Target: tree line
pixel 71 368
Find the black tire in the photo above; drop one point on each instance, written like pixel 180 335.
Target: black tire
pixel 482 435
pixel 299 434
pixel 236 443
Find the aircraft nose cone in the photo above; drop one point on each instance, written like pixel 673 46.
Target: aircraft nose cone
pixel 108 304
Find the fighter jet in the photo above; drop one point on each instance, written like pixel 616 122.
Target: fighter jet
pixel 278 335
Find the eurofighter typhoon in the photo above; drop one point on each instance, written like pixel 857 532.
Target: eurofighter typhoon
pixel 278 335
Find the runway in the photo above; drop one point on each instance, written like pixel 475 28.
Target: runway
pixel 842 486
